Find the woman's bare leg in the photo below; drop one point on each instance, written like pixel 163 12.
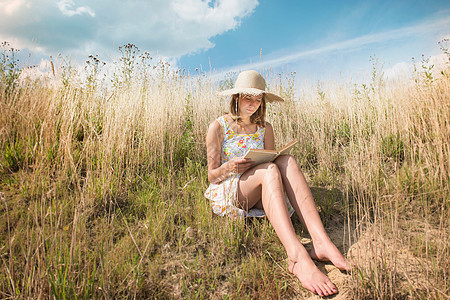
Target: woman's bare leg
pixel 265 182
pixel 303 202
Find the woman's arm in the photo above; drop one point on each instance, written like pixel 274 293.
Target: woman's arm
pixel 214 139
pixel 217 172
pixel 269 140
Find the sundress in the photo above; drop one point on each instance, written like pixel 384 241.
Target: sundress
pixel 223 195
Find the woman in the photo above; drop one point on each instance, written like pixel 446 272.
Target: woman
pixel 240 188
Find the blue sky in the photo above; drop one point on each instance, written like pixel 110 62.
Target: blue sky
pixel 317 39
pixel 321 39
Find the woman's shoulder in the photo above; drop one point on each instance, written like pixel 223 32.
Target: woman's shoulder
pixel 220 119
pixel 268 126
pixel 217 125
pixel 268 129
pixel 225 118
pixel 224 121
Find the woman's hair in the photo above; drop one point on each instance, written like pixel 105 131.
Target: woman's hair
pixel 258 116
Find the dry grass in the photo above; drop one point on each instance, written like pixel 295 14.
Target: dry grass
pixel 101 189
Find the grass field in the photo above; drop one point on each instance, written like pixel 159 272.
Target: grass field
pixel 102 184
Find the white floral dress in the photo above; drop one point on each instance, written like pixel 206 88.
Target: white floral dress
pixel 223 195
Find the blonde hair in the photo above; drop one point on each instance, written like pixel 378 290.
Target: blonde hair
pixel 258 116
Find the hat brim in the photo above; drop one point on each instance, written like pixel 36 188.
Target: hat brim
pixel 251 91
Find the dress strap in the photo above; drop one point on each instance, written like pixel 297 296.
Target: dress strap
pixel 224 125
pixel 262 130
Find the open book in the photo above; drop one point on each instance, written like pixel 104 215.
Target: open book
pixel 262 155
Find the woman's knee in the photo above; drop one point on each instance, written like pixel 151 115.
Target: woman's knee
pixel 286 160
pixel 271 171
pixel 265 172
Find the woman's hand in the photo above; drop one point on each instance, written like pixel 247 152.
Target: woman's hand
pixel 239 165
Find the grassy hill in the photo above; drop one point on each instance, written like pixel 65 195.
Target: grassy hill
pixel 102 181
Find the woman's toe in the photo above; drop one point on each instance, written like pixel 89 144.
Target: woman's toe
pixel 322 291
pixel 327 290
pixel 332 287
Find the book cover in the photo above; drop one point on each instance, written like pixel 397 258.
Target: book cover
pixel 262 155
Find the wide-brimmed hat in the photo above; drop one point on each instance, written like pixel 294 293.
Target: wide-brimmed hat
pixel 251 83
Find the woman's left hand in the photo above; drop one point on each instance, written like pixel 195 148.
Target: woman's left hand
pixel 239 165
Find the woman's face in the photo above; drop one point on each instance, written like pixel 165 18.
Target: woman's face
pixel 249 104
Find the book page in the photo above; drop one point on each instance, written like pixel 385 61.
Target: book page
pixel 287 148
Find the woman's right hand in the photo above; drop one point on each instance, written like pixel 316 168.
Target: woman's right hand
pixel 239 165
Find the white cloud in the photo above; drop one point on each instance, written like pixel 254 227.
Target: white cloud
pixel 434 64
pixel 41 72
pixel 399 70
pixel 10 7
pixel 224 14
pixel 170 28
pixel 66 7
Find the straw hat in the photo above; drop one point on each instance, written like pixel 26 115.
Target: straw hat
pixel 250 83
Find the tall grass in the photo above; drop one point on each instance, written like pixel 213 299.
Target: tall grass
pixel 101 186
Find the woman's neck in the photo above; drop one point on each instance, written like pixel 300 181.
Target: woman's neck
pixel 241 120
pixel 245 121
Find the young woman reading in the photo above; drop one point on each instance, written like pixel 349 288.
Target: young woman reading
pixel 239 188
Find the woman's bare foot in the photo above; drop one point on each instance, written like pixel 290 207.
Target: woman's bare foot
pixel 329 252
pixel 311 277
